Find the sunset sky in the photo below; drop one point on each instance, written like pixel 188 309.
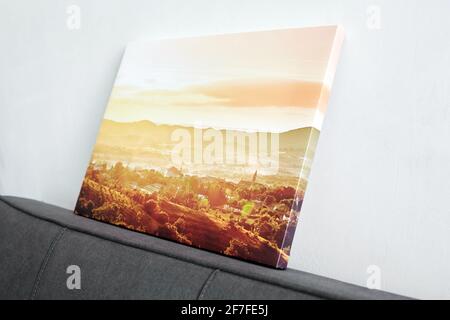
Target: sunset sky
pixel 266 81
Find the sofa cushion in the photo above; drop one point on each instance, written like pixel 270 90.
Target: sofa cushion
pixel 38 242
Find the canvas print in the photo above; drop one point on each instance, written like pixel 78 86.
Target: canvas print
pixel 208 141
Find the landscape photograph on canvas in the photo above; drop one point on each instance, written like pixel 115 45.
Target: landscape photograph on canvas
pixel 208 141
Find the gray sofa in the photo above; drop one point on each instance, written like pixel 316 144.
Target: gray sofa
pixel 39 241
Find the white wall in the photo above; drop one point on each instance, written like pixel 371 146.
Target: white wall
pixel 380 187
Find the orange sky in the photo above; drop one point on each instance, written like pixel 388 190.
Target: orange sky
pixel 268 81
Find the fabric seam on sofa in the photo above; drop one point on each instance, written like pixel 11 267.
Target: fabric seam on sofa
pixel 207 283
pixel 45 262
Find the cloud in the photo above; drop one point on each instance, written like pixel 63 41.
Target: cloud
pixel 260 93
pixel 266 93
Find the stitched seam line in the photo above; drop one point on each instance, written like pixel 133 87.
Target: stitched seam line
pixel 207 283
pixel 45 262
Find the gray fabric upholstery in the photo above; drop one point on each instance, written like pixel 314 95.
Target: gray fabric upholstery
pixel 39 241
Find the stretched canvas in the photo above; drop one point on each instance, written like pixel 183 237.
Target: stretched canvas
pixel 208 141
